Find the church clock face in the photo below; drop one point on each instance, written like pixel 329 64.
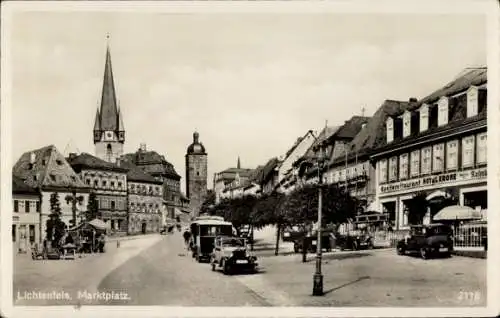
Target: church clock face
pixel 108 135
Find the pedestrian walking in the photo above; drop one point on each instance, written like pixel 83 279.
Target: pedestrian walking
pixel 187 237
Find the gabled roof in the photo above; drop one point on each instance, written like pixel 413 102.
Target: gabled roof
pixel 297 142
pixel 231 172
pixel 373 134
pixel 46 168
pixel 85 160
pixel 324 135
pixel 136 174
pixel 350 128
pixel 19 187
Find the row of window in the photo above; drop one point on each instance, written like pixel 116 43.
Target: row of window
pixel 93 175
pixel 142 189
pixel 104 184
pixel 349 173
pixel 26 206
pixel 143 207
pixel 110 204
pixel 436 158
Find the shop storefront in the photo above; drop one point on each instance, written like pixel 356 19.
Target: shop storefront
pixel 470 185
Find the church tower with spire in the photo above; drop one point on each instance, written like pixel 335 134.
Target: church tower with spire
pixel 196 174
pixel 109 132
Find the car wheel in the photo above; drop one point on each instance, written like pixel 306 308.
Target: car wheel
pixel 401 250
pixel 424 253
pixel 225 268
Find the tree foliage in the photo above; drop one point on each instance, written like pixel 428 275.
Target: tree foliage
pixel 298 207
pixel 92 207
pixel 208 203
pixel 301 205
pixel 55 205
pixel 55 227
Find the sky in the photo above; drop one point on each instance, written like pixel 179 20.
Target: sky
pixel 250 84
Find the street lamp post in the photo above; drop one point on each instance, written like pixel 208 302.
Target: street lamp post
pixel 318 276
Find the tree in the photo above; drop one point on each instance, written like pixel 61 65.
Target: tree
pixel 301 207
pixel 208 203
pixel 74 199
pixel 55 227
pixel 92 207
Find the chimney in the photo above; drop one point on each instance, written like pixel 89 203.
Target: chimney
pixel 118 162
pixel 32 158
pixel 413 100
pixel 72 155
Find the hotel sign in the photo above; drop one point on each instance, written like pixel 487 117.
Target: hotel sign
pixel 440 179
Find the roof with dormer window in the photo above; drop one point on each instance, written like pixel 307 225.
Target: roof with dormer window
pixel 19 187
pixel 134 173
pixel 85 160
pixel 47 168
pixel 457 115
pixel 152 163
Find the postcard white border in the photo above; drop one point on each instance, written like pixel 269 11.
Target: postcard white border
pixel 490 8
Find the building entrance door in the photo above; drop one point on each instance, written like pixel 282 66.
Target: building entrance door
pixel 144 228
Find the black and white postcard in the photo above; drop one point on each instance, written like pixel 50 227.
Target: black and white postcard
pixel 261 158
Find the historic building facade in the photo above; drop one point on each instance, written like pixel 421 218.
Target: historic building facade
pixel 155 165
pixel 229 178
pixel 438 145
pixel 26 219
pixel 46 169
pixel 287 171
pixel 196 174
pixel 109 131
pixel 145 200
pixel 109 182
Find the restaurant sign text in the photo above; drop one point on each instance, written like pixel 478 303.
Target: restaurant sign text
pixel 440 179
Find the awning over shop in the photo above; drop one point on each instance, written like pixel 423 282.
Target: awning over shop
pixel 100 225
pixel 457 212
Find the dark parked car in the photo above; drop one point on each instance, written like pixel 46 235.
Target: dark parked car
pixel 246 233
pixel 355 241
pixel 311 242
pixel 292 234
pixel 428 241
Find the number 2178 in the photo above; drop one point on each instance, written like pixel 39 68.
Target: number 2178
pixel 470 296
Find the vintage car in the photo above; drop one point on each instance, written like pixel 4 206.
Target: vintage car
pixel 230 253
pixel 428 241
pixel 292 233
pixel 354 240
pixel 246 232
pixel 311 241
